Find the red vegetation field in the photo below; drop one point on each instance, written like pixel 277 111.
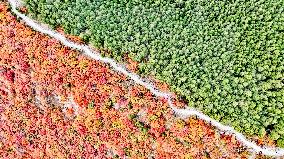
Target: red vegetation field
pixel 56 102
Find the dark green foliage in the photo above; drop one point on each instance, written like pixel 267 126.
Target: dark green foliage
pixel 225 57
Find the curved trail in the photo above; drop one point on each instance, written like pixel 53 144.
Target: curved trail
pixel 184 113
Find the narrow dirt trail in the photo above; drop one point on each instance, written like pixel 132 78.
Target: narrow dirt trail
pixel 42 82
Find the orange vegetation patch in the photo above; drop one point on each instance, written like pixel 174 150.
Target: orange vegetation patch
pixel 54 102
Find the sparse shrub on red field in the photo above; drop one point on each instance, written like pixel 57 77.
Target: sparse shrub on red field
pixel 57 103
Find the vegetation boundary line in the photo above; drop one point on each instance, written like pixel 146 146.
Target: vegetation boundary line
pixel 183 113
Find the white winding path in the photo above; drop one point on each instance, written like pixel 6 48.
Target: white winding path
pixel 184 113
